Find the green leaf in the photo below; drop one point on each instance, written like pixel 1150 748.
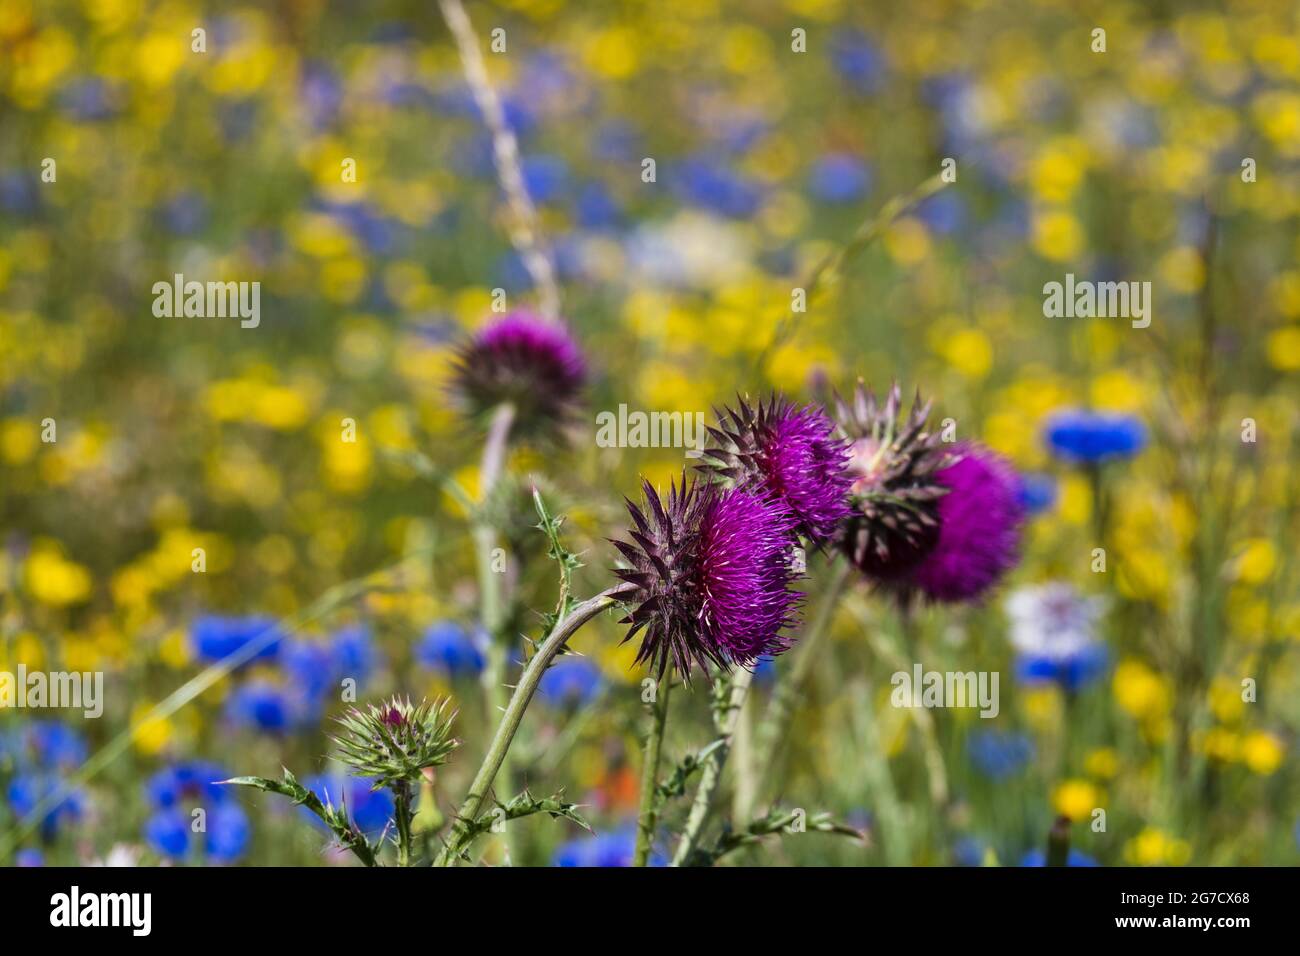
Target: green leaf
pixel 336 819
pixel 691 764
pixel 524 805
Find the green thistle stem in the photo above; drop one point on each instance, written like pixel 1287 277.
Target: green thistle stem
pixel 649 812
pixel 491 592
pixel 711 776
pixel 786 696
pixel 402 816
pixel 510 720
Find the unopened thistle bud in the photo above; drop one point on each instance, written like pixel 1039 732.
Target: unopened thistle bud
pixel 395 741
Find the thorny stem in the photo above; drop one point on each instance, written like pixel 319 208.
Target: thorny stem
pixel 510 720
pixel 525 235
pixel 491 598
pixel 711 776
pixel 402 815
pixel 648 814
pixel 786 696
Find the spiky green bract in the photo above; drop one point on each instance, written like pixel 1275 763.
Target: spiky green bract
pixel 394 741
pixel 894 492
pixel 787 452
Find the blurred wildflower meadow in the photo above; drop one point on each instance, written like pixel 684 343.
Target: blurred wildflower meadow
pixel 175 488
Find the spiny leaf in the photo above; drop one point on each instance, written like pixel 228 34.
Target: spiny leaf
pixel 675 785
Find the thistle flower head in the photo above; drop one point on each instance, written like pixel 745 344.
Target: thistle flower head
pixel 894 492
pixel 979 528
pixel 709 577
pixel 788 453
pixel 526 360
pixel 395 740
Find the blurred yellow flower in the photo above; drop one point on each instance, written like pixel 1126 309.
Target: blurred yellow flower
pixel 1284 349
pixel 1262 753
pixel 1057 235
pixel 1140 691
pixel 1225 699
pixel 969 351
pixel 1182 270
pixel 151 736
pixel 18 440
pixel 1256 561
pixel 907 241
pixel 1076 799
pixel 1102 762
pixel 1154 847
pixel 54 580
pixel 1057 170
pixel 1219 743
pixel 611 53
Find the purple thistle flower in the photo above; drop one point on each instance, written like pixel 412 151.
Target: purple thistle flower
pixel 789 453
pixel 709 577
pixel 894 494
pixel 979 528
pixel 524 359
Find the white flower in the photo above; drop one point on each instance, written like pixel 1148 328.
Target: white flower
pixel 1053 620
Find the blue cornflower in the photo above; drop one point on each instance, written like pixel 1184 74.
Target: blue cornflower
pixel 193 781
pixel 354 654
pixel 1039 858
pixel 215 637
pixel 839 178
pixel 369 809
pixel 1086 438
pixel 1037 492
pixel 1073 672
pixel 968 851
pixel 1054 629
pixel 310 667
pixel 175 792
pixel 998 754
pixel 858 60
pixel 703 182
pixel 545 177
pixel 88 99
pixel 20 192
pixel 571 681
pixel 185 214
pixel 944 213
pixel 448 648
pixel 262 705
pixel 225 833
pixel 55 745
pixel 611 848
pixel 321 92
pixel 765 671
pixel 28 790
pixel 595 207
pixel 29 858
